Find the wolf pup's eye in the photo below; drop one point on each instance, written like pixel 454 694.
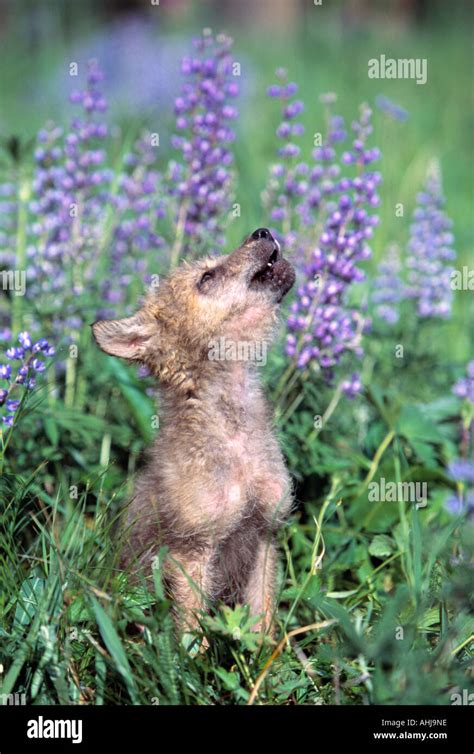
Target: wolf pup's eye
pixel 208 275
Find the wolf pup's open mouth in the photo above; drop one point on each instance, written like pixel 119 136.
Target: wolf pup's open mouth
pixel 265 273
pixel 273 271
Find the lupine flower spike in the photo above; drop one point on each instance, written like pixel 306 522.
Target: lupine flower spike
pixel 21 378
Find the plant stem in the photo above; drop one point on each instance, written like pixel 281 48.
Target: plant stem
pixel 327 414
pixel 378 457
pixel 178 242
pixel 70 382
pixel 23 199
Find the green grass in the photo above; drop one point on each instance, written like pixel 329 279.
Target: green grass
pixel 365 603
pixel 370 592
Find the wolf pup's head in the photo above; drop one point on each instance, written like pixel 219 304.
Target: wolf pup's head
pixel 234 297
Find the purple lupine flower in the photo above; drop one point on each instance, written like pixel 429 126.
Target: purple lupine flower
pixel 462 470
pixel 324 174
pixel 22 374
pixel 464 388
pixel 456 505
pixel 5 371
pixel 387 286
pixel 201 185
pixel 352 386
pixel 21 380
pixel 141 206
pixel 322 326
pixel 8 224
pixel 139 65
pixel 43 345
pixel 288 179
pixel 25 340
pixel 391 108
pixel 8 217
pixel 38 365
pixel 431 251
pixel 69 188
pixel 15 353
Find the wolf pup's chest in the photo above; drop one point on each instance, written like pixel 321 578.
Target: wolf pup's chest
pixel 253 471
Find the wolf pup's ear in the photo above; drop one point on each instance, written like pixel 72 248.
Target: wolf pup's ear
pixel 127 338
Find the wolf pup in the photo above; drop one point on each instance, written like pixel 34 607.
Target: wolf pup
pixel 215 488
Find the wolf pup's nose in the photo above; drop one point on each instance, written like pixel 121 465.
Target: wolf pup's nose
pixel 262 233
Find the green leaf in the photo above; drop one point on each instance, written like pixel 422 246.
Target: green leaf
pixel 417 546
pixel 230 679
pixel 138 401
pixel 422 474
pixel 429 619
pixel 51 429
pixel 425 452
pixel 77 611
pixel 414 425
pixel 114 645
pixel 381 546
pixel 441 408
pixel 31 592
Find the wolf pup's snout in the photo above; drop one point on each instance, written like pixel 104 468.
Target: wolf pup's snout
pixel 272 272
pixel 262 233
pixel 264 238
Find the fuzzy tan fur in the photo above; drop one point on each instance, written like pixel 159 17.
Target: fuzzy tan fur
pixel 215 488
